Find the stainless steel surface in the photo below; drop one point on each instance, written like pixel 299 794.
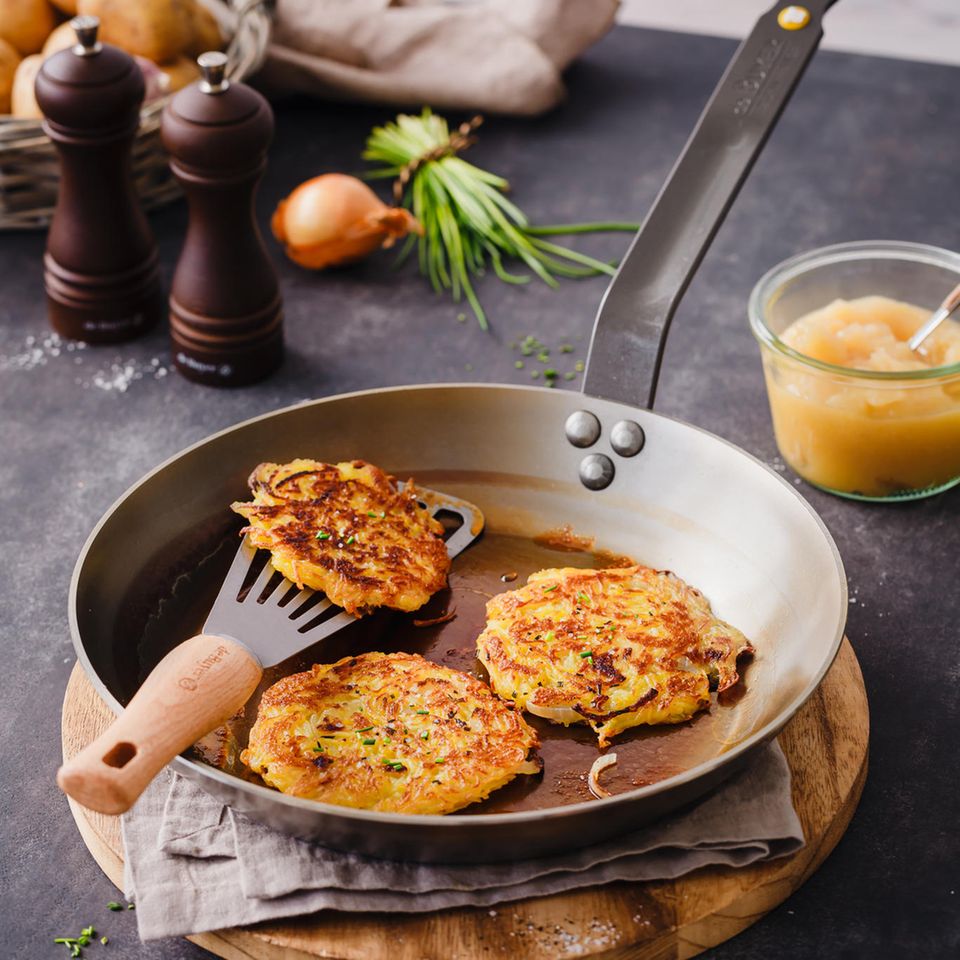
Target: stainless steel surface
pixel 596 471
pixel 692 503
pixel 582 428
pixel 950 305
pixel 213 66
pixel 636 311
pixel 274 619
pixel 626 438
pixel 86 29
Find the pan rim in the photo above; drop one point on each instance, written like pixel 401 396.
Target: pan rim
pixel 196 769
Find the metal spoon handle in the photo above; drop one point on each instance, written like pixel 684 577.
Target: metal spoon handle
pixel 949 306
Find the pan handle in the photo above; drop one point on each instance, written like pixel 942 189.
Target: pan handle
pixel 631 326
pixel 195 688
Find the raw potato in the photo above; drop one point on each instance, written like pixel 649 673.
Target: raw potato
pixel 156 29
pixel 205 31
pixel 9 59
pixel 68 7
pixel 61 38
pixel 25 24
pixel 180 72
pixel 24 100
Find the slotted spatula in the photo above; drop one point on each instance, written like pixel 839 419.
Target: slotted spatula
pixel 206 679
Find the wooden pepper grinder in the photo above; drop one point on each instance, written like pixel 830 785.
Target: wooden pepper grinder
pixel 226 315
pixel 101 269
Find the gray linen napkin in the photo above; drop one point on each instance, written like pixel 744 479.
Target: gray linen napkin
pixel 193 865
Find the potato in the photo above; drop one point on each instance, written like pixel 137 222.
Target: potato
pixel 61 38
pixel 204 29
pixel 156 29
pixel 24 100
pixel 69 7
pixel 180 72
pixel 25 24
pixel 9 59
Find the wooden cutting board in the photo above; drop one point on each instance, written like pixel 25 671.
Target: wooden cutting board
pixel 825 745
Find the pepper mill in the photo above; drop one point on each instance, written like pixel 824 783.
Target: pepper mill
pixel 226 315
pixel 101 268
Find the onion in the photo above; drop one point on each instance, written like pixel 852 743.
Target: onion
pixel 531 767
pixel 335 219
pixel 593 779
pixel 564 715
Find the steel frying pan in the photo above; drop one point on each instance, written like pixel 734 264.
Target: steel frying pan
pixel 630 481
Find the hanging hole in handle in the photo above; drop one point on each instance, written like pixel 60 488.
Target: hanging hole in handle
pixel 120 755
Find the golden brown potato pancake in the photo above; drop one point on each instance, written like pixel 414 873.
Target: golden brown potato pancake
pixel 390 732
pixel 612 648
pixel 345 529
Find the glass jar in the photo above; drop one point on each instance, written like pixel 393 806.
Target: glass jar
pixel 865 434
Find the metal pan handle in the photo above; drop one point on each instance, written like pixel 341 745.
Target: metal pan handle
pixel 631 326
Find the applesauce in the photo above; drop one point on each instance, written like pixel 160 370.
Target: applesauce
pixel 854 410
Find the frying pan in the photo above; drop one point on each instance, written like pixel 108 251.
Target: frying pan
pixel 601 464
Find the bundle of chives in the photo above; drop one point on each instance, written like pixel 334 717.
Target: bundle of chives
pixel 467 220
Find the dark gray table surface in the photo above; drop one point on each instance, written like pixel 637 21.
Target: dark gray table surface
pixel 867 149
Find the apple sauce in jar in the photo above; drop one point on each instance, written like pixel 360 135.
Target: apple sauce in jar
pixel 855 410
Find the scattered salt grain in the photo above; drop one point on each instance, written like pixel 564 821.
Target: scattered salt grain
pixel 38 351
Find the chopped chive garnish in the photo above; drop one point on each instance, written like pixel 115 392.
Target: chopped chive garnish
pixel 582 597
pixel 113 905
pixel 585 654
pixel 569 376
pixel 364 729
pixel 566 348
pixel 552 587
pixel 425 735
pixel 369 741
pixel 322 536
pixel 83 941
pixel 440 760
pixel 550 637
pixel 131 906
pixel 519 364
pixel 394 764
pixel 371 513
pixel 579 366
pixel 350 539
pixel 423 713
pixel 104 941
pixel 318 748
pixel 88 932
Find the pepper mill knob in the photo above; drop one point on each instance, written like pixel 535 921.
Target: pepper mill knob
pixel 213 66
pixel 226 315
pixel 101 267
pixel 86 29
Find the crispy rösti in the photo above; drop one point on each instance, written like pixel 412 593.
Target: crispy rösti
pixel 612 648
pixel 390 732
pixel 345 529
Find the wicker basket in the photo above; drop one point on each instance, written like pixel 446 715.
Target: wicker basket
pixel 29 168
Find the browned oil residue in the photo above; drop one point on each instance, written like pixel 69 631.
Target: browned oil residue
pixel 564 539
pixel 509 577
pixel 645 755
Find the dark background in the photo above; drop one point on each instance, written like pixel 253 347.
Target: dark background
pixel 867 150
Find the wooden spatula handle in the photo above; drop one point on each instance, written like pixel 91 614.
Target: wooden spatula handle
pixel 194 689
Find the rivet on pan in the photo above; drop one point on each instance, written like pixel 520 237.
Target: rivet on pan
pixel 627 438
pixel 596 471
pixel 582 428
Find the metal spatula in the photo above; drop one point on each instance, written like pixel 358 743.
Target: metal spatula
pixel 206 679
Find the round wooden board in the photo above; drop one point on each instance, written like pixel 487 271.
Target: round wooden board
pixel 825 745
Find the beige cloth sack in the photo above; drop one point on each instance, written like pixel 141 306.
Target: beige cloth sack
pixel 501 56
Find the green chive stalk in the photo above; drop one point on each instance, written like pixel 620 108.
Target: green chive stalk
pixel 468 222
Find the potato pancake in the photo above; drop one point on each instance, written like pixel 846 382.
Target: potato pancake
pixel 612 648
pixel 345 529
pixel 390 732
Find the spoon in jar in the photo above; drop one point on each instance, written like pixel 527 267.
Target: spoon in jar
pixel 949 306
